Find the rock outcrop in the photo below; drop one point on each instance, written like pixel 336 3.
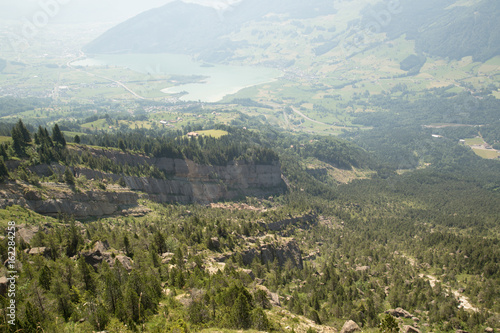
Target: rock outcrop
pixel 399 313
pixel 187 182
pixel 100 252
pixel 350 327
pixel 300 222
pixel 43 251
pixel 410 329
pixel 4 285
pixel 280 252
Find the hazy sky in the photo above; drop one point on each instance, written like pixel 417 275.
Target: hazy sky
pixel 80 11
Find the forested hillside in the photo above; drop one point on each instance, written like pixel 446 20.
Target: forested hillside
pixel 444 30
pixel 314 257
pixel 252 166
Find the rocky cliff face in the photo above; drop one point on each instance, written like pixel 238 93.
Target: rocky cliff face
pixel 280 252
pixel 189 182
pixel 60 199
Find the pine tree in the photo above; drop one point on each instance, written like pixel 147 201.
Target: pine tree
pixel 33 318
pixel 239 316
pixel 86 273
pixel 24 131
pixel 259 320
pixel 57 136
pixel 21 138
pixel 77 139
pixel 388 325
pixel 45 277
pixel 3 152
pixel 121 145
pixel 4 172
pixel 68 177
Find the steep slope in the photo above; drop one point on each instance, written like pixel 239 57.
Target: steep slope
pixel 444 29
pixel 189 182
pixel 184 28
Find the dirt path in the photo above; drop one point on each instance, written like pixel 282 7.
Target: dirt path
pixel 463 300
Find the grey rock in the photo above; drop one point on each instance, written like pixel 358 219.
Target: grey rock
pixel 362 268
pixel 188 183
pixel 26 233
pixel 44 251
pixel 399 313
pixel 280 252
pixel 350 327
pixel 125 261
pixel 410 329
pixel 3 285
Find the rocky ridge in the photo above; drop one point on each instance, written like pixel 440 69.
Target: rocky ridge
pixel 187 182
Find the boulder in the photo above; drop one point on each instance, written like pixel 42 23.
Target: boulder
pixel 215 243
pixel 43 251
pixel 26 233
pixel 166 257
pixel 362 268
pixel 350 327
pixel 274 298
pixel 98 253
pixel 280 252
pixel 248 272
pixel 410 329
pixel 3 285
pixel 399 313
pixel 101 247
pixel 125 261
pixel 489 330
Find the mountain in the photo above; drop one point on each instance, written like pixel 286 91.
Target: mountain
pixel 444 29
pixel 188 28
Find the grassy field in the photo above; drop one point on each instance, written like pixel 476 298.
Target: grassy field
pixel 488 154
pixel 4 139
pixel 213 133
pixel 474 142
pixel 72 134
pixel 21 215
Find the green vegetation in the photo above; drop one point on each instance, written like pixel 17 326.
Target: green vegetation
pixel 375 241
pixel 385 204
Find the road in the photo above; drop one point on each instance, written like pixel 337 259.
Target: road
pixel 306 117
pixel 103 77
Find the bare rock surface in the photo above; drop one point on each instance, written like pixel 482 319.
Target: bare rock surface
pixel 350 327
pixel 399 313
pixel 410 329
pixel 288 250
pixel 187 182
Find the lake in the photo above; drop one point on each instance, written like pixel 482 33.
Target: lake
pixel 221 80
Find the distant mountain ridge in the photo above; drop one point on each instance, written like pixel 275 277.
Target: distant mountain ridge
pixel 187 28
pixel 441 29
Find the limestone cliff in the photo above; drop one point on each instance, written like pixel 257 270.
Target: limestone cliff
pixel 188 182
pixel 192 182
